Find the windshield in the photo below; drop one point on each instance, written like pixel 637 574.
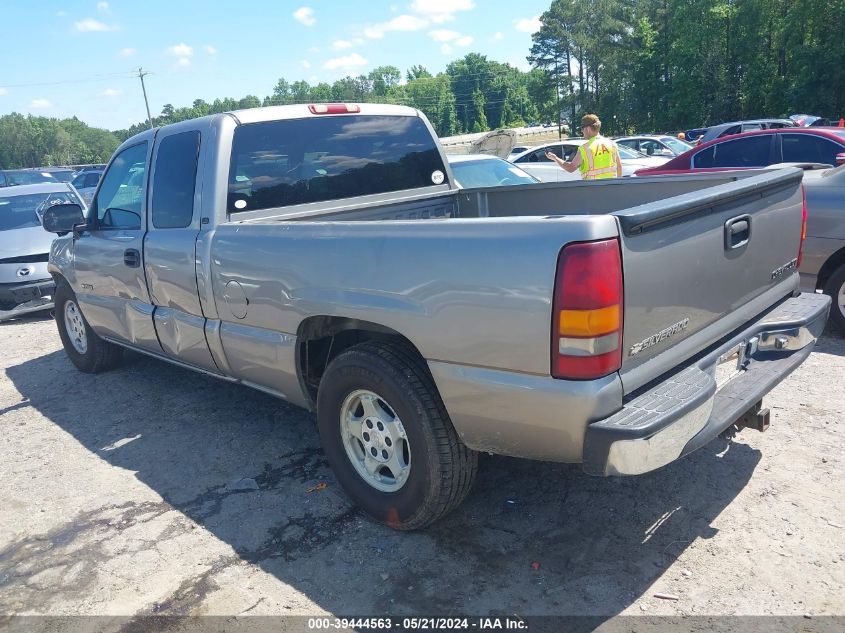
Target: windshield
pixel 627 152
pixel 676 145
pixel 27 177
pixel 489 173
pixel 21 212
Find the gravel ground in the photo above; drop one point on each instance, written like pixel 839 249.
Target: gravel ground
pixel 155 490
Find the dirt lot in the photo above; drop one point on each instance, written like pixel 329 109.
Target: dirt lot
pixel 129 493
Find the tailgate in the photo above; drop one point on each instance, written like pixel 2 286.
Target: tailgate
pixel 699 265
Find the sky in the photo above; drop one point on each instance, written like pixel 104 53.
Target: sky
pixel 81 58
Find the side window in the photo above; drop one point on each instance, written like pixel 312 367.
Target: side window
pixel 748 127
pixel 735 129
pixel 119 202
pixel 806 148
pixel 745 152
pixel 174 180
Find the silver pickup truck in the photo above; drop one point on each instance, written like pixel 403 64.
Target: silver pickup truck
pixel 323 254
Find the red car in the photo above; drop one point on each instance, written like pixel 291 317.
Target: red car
pixel 761 148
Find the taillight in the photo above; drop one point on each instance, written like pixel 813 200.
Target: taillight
pixel 803 226
pixel 587 317
pixel 334 108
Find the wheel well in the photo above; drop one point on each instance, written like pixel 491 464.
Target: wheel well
pixel 830 266
pixel 322 338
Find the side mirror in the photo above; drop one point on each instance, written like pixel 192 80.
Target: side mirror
pixel 840 159
pixel 63 218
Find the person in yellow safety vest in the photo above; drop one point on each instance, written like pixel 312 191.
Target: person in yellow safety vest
pixel 597 158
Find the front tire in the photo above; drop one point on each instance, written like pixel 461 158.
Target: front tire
pixel 388 437
pixel 835 288
pixel 85 349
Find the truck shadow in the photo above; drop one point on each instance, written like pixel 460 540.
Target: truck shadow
pixel 533 538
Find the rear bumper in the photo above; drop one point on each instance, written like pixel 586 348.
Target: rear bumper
pixel 22 298
pixel 681 413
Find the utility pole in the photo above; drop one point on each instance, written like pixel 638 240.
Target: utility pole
pixel 141 75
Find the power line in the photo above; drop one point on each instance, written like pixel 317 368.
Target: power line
pixel 70 81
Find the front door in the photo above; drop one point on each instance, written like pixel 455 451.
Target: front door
pixel 108 259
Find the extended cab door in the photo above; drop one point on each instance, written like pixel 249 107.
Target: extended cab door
pixel 170 244
pixel 110 283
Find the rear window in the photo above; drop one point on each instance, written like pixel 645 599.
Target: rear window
pixel 283 163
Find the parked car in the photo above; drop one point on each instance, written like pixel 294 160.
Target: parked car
pixel 483 170
pixel 694 135
pixel 809 120
pixel 14 177
pixel 324 254
pixel 738 127
pixel 25 284
pixel 61 174
pixel 823 265
pixel 655 145
pixel 85 182
pixel 762 148
pixel 516 151
pixel 534 160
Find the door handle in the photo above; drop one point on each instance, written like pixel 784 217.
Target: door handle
pixel 737 232
pixel 132 257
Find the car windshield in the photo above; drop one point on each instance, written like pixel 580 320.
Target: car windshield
pixel 489 173
pixel 676 145
pixel 631 154
pixel 21 212
pixel 27 177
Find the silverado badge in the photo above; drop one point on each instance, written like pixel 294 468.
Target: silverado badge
pixel 662 335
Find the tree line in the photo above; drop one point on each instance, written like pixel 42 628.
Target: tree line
pixel 642 65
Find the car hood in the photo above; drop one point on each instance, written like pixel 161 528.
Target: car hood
pixel 32 240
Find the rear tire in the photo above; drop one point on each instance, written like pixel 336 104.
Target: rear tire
pixel 835 289
pixel 85 349
pixel 402 461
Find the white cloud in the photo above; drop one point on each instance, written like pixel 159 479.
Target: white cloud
pixel 305 64
pixel 528 25
pixel 340 45
pixel 103 7
pixel 443 35
pixel 400 23
pixel 208 48
pixel 111 92
pixel 446 49
pixel 449 37
pixel 40 104
pixel 128 52
pixel 89 25
pixel 3 91
pixel 440 11
pixel 305 15
pixel 180 50
pixel 344 63
pixel 61 14
pixel 498 36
